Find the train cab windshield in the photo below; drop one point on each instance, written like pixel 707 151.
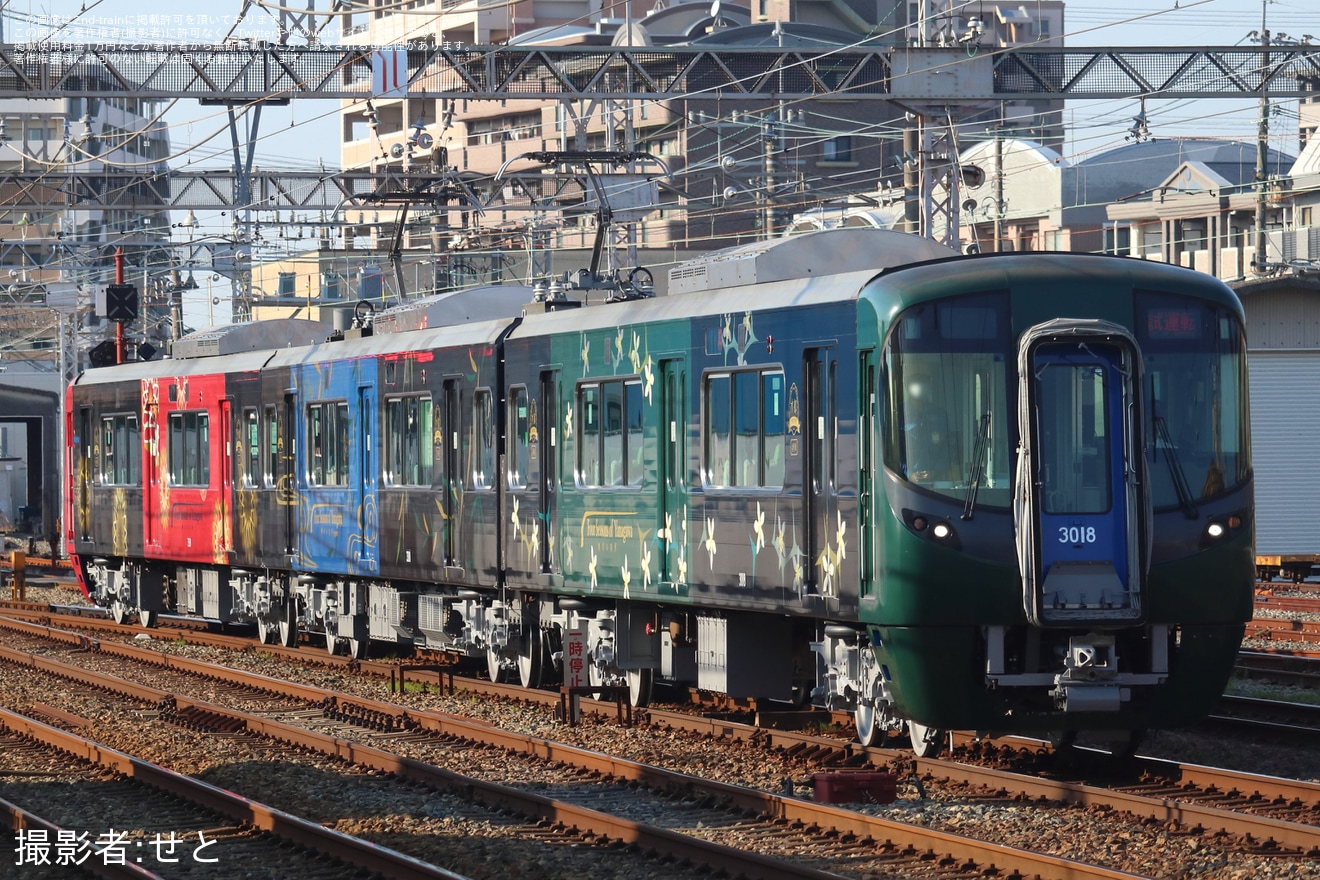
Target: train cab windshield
pixel 947 425
pixel 1194 396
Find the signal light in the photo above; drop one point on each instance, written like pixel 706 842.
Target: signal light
pixel 919 523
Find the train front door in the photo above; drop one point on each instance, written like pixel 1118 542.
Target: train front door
pixel 671 473
pixel 1078 477
pixel 549 467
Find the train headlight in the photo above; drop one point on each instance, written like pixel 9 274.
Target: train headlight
pixel 1216 530
pixel 942 530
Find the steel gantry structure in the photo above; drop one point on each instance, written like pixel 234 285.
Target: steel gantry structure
pixel 241 74
pixel 931 82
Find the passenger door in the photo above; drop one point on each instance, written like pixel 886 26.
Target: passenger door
pixel 672 473
pixel 368 480
pixel 548 448
pixel 451 473
pixel 820 575
pixel 866 443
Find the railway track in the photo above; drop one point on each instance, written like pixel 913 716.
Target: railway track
pixel 1193 808
pixel 601 796
pixel 71 801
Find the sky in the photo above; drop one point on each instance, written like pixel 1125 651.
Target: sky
pixel 305 133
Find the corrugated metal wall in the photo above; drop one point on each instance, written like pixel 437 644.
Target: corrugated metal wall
pixel 1283 319
pixel 1285 427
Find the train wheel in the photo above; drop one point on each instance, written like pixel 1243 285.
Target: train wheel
pixel 1062 740
pixel 871 706
pixel 531 651
pixel 867 719
pixel 493 665
pixel 927 742
pixel 288 630
pixel 267 630
pixel 1126 746
pixel 640 683
pixel 595 677
pixel 357 648
pixel 118 612
pixel 149 619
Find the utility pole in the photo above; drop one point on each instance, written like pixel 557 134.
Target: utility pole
pixel 999 183
pixel 1262 146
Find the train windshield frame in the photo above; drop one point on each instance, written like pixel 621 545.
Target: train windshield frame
pixel 948 397
pixel 1194 398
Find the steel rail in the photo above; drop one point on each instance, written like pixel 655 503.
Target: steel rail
pixel 21 818
pixel 359 853
pixel 787 809
pixel 1294 835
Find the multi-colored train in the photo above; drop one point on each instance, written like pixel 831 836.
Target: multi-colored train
pixel 1005 493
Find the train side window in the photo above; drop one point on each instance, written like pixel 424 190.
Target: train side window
pixel 327 430
pixel 190 449
pixel 744 429
pixel 632 393
pixel 612 455
pixel 409 451
pixel 747 429
pixel 121 451
pixel 106 471
pixel 484 422
pixel 718 440
pixel 772 421
pixel 589 435
pixel 270 450
pixel 520 441
pixel 252 453
pixel 341 447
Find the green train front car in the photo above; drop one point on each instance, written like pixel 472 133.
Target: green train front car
pixel 1064 516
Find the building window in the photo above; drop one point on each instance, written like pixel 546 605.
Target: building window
pixel 1118 239
pixel 837 149
pixel 327 431
pixel 744 429
pixel 408 443
pixel 288 284
pixel 121 451
pixel 1152 241
pixel 190 449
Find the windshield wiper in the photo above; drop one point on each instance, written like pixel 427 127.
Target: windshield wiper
pixel 1180 486
pixel 978 463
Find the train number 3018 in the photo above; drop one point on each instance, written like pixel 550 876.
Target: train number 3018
pixel 1076 534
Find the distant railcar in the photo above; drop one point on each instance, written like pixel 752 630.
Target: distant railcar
pixel 1007 493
